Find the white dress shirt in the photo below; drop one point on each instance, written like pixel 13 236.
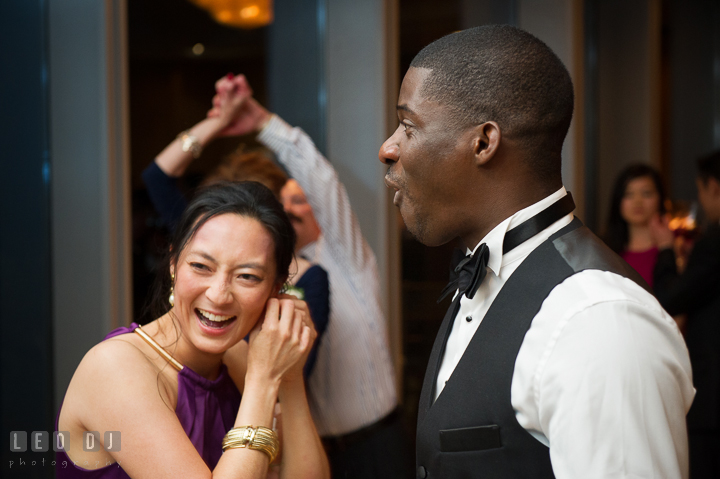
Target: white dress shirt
pixel 603 375
pixel 353 382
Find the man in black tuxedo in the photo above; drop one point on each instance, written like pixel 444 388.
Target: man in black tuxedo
pixel 696 292
pixel 553 359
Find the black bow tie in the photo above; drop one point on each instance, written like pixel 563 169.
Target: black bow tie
pixel 468 272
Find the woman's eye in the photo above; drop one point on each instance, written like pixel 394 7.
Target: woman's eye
pixel 248 277
pixel 199 266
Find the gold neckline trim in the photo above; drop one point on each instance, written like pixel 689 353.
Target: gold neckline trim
pixel 159 349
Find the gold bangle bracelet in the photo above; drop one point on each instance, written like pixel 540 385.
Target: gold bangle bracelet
pixel 258 438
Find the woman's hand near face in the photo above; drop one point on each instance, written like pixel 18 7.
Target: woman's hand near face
pixel 295 373
pixel 303 453
pixel 661 234
pixel 280 343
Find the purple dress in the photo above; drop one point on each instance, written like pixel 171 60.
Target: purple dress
pixel 206 410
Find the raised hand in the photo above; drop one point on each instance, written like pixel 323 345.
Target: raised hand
pixel 250 117
pixel 229 84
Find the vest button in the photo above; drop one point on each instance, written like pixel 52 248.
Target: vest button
pixel 421 472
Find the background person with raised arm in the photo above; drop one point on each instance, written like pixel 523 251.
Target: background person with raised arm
pixel 352 390
pixel 553 359
pixel 308 281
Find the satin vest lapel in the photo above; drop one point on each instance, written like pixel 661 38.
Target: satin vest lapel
pixel 427 394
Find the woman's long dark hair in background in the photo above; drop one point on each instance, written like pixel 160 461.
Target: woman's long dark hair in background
pixel 616 234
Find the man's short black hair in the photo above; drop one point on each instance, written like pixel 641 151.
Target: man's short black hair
pixel 503 74
pixel 709 166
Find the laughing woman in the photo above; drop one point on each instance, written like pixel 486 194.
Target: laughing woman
pixel 187 386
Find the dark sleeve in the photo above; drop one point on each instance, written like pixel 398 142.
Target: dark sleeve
pixel 165 195
pixel 316 289
pixel 682 293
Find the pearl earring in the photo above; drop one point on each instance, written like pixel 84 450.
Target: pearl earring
pixel 171 299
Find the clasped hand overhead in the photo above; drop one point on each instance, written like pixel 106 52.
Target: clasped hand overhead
pixel 234 104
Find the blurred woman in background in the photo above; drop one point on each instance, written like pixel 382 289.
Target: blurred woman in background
pixel 637 199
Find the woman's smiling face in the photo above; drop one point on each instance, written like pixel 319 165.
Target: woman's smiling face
pixel 223 278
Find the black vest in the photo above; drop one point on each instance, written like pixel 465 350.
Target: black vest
pixel 471 430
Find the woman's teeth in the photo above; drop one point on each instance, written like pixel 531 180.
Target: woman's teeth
pixel 213 320
pixel 214 317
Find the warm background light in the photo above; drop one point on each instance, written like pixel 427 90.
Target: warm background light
pixel 250 12
pixel 682 224
pixel 239 13
pixel 683 218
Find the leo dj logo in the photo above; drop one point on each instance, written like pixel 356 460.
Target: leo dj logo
pixel 40 441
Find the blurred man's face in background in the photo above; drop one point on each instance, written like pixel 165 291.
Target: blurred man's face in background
pixel 709 197
pixel 300 213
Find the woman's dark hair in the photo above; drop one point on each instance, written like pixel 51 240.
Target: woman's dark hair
pixel 245 198
pixel 616 234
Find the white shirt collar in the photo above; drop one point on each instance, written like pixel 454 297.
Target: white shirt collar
pixel 494 239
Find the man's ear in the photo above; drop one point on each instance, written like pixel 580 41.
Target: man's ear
pixel 486 142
